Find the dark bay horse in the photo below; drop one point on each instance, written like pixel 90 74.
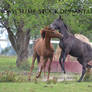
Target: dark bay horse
pixel 73 46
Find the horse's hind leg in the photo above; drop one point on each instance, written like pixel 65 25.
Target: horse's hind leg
pixel 38 61
pixel 89 66
pixel 38 58
pixel 83 72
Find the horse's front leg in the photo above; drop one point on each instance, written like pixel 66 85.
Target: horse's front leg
pixel 45 67
pixel 49 67
pixel 32 66
pixel 65 52
pixel 64 57
pixel 40 70
pixel 43 63
pixel 60 59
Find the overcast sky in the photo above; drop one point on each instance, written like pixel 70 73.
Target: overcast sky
pixel 3 35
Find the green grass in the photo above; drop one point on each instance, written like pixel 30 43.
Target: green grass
pixel 43 87
pixel 9 64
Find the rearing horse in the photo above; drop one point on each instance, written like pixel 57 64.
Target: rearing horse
pixel 73 46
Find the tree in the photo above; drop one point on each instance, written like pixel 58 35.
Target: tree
pixel 20 19
pixel 19 36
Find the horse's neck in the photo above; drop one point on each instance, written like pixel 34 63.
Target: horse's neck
pixel 47 42
pixel 64 31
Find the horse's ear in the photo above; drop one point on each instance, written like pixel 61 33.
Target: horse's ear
pixel 60 17
pixel 43 33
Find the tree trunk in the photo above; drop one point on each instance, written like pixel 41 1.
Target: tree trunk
pixel 22 51
pixel 22 48
pixel 20 43
pixel 22 54
pixel 22 57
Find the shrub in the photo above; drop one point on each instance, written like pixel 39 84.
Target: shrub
pixel 7 77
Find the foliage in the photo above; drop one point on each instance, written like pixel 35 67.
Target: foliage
pixel 29 12
pixel 40 13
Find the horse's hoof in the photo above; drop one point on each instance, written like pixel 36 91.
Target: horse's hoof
pixel 64 72
pixel 37 76
pixel 79 81
pixel 29 79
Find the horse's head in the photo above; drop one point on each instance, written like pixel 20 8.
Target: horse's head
pixel 50 33
pixel 57 23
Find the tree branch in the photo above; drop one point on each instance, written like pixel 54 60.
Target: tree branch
pixel 11 36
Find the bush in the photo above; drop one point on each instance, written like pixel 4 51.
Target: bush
pixel 7 77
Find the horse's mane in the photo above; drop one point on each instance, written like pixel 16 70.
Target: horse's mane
pixel 65 26
pixel 68 28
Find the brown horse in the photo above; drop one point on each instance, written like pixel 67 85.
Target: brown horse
pixel 43 49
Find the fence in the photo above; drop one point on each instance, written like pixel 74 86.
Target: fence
pixel 73 67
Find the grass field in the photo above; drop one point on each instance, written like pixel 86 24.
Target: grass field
pixel 9 64
pixel 43 87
